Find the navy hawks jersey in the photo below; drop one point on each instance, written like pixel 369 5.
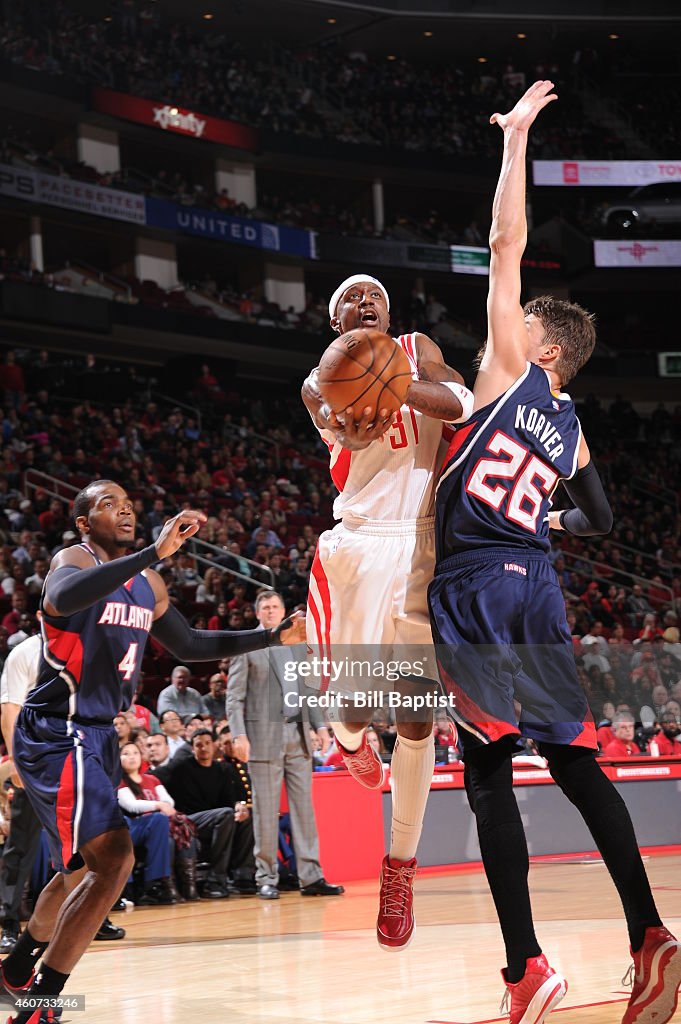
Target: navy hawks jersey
pixel 91 660
pixel 502 467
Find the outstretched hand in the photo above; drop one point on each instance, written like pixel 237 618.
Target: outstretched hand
pixel 295 632
pixel 177 530
pixel 526 109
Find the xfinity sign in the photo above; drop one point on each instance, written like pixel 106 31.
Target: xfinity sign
pixel 170 118
pixel 180 121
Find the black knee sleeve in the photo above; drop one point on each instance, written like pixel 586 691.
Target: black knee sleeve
pixel 577 772
pixel 488 777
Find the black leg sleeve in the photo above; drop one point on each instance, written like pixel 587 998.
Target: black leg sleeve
pixel 488 777
pixel 605 814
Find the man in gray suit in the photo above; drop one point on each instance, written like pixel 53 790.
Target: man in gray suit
pixel 271 730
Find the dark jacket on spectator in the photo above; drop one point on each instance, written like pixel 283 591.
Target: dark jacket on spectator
pixel 195 788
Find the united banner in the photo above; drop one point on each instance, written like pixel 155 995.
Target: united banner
pixel 213 224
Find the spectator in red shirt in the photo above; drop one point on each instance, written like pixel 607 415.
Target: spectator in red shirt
pixel 443 737
pixel 221 618
pixel 12 619
pixel 239 599
pixel 650 628
pixel 623 744
pixel 605 734
pixel 658 593
pixel 665 743
pixel 12 381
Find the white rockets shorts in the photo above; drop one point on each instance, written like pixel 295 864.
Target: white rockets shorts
pixel 368 592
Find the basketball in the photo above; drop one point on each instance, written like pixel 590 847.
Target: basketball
pixel 364 368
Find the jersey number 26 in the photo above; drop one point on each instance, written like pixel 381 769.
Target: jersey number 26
pixel 529 481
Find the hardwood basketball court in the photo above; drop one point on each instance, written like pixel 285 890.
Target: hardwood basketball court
pixel 316 961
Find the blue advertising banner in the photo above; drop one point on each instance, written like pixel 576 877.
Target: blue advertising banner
pixel 239 230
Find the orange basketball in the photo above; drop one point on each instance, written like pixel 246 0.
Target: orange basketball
pixel 364 368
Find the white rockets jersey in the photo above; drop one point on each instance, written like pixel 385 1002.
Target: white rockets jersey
pixel 394 478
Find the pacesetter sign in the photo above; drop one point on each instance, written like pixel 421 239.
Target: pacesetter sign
pixel 169 118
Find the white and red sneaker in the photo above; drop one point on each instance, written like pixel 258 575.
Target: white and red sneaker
pixel 655 976
pixel 395 924
pixel 364 764
pixel 533 997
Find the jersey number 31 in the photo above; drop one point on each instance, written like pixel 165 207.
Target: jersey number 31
pixel 529 481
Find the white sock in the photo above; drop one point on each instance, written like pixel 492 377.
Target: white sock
pixel 411 771
pixel 350 740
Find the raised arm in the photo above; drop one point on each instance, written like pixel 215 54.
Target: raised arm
pixel 505 352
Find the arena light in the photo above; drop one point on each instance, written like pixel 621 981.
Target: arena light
pixel 208 16
pixel 521 35
pixel 482 60
pixel 331 21
pixel 391 56
pixel 428 35
pixel 613 35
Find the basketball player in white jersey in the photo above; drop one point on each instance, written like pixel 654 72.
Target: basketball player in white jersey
pixel 371 572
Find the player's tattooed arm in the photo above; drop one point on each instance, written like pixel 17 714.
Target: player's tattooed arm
pixel 440 391
pixel 314 403
pixel 356 429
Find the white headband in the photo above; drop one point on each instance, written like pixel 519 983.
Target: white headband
pixel 355 279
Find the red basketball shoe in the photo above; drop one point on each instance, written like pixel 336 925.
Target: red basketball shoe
pixel 395 925
pixel 535 995
pixel 655 976
pixel 363 764
pixel 35 1017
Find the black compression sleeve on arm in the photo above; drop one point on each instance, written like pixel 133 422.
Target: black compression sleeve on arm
pixel 70 589
pixel 592 514
pixel 177 636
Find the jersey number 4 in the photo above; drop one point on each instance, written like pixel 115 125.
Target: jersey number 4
pixel 529 481
pixel 128 662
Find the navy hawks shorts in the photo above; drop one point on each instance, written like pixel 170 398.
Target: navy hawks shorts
pixel 70 772
pixel 504 648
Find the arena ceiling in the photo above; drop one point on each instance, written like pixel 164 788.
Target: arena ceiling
pixel 416 29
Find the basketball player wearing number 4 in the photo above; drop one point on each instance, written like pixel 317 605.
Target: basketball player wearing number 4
pixel 498 613
pixel 370 574
pixel 99 606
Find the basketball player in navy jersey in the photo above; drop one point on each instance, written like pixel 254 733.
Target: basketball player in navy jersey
pixel 498 614
pixel 99 606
